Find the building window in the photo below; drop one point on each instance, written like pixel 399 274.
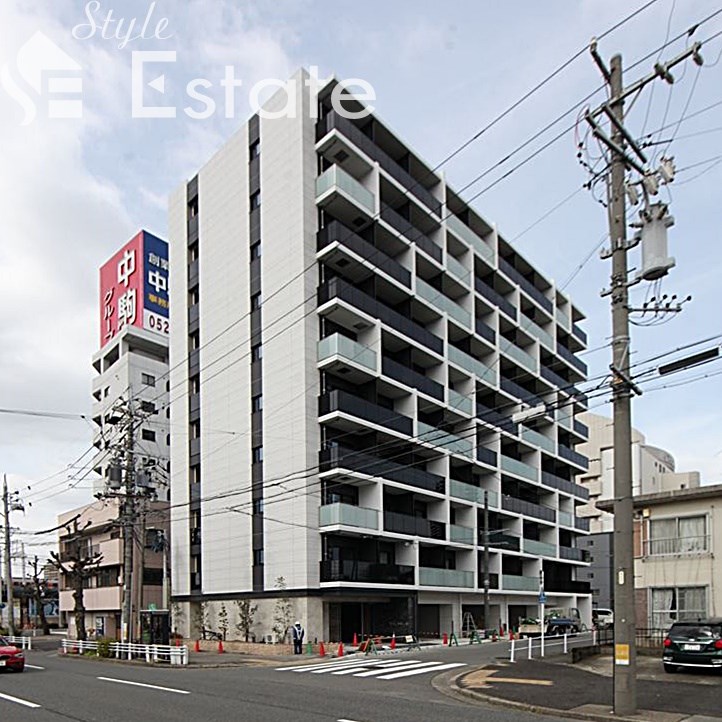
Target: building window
pixel 676 604
pixel 147 435
pixel 147 406
pixel 107 577
pixel 256 301
pixel 679 535
pixel 257 557
pixel 254 150
pixel 152 577
pixel 257 454
pixel 258 506
pixel 147 379
pixel 256 250
pixel 257 403
pixel 255 200
pixel 256 352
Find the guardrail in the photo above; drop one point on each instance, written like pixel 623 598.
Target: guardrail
pixel 22 642
pixel 126 650
pixel 542 644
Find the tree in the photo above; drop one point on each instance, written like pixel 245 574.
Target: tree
pixel 223 620
pixel 246 612
pixel 283 612
pixel 39 593
pixel 78 563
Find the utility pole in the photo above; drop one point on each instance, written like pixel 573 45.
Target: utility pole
pixel 8 563
pixel 655 265
pixel 128 519
pixel 486 560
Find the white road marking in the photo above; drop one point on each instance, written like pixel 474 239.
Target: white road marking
pixel 388 670
pixel 419 670
pixel 17 700
pixel 140 684
pixel 33 666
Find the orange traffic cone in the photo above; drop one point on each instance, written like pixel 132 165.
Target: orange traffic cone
pixel 197 646
pixel 511 634
pixel 393 641
pixel 445 638
pixel 220 647
pixel 340 649
pixel 321 650
pixel 355 640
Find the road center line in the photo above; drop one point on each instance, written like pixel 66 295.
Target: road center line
pixel 141 684
pixel 17 700
pixel 33 666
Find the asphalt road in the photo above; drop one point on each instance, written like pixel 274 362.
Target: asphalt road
pixel 55 688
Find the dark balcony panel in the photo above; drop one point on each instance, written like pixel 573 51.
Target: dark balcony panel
pixel 366 145
pixel 568 356
pixel 195 451
pixel 554 378
pixel 564 485
pixel 528 508
pixel 342 457
pixel 495 418
pixel 195 491
pixel 192 274
pixel 192 189
pixel 574 554
pixel 500 540
pixel 194 407
pixel 581 429
pixel 527 286
pixel 354 406
pixel 254 223
pixel 573 456
pixel 495 298
pixel 194 362
pixel 255 274
pixel 338 288
pixel 254 174
pixel 487 456
pixel 258 578
pixel 193 316
pixel 410 232
pixel 567 586
pixel 256 326
pixel 581 524
pixel 192 229
pixel 520 392
pixel 349 570
pixel 485 331
pixel 336 231
pixel 413 525
pixel 579 333
pixel 412 378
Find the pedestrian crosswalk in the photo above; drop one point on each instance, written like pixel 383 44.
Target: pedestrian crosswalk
pixel 386 669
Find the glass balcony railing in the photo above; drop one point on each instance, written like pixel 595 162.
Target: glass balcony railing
pixel 460 402
pixel 444 303
pixel 565 518
pixel 472 365
pixel 514 583
pixel 513 351
pixel 519 468
pixel 336 177
pixel 348 349
pixel 460 229
pixel 539 548
pixel 445 440
pixel 431 577
pixel 348 515
pixel 537 331
pixel 574 554
pixel 457 269
pixel 461 534
pixel 500 540
pixel 469 492
pixel 537 439
pixel 564 416
pixel 563 319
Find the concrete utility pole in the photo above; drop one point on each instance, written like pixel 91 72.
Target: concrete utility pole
pixel 8 563
pixel 128 520
pixel 486 560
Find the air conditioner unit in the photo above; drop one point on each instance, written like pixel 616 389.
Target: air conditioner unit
pixel 269 638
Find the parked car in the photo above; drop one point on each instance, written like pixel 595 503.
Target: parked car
pixel 557 621
pixel 693 644
pixel 11 657
pixel 603 618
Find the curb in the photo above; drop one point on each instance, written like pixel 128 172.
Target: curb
pixel 159 665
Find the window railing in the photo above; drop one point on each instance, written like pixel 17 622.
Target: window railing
pixel 573 456
pixel 678 545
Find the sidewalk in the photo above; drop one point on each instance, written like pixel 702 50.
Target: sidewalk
pixel 564 690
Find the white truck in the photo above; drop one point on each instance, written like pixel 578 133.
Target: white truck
pixel 557 621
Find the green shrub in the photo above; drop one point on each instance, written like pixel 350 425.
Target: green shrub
pixel 104 646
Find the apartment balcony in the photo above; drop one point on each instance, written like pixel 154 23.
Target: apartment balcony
pixel 495 298
pixel 536 439
pixel 581 524
pixel 565 518
pixel 336 231
pixel 348 515
pixel 517 354
pixel 410 232
pixel 462 231
pixel 106 599
pixel 580 429
pixel 570 358
pixel 412 379
pixel 537 331
pixel 519 468
pixel 443 303
pixel 487 456
pixel 461 534
pixel 459 402
pixel 579 334
pixel 337 288
pixel 566 586
pixel 528 508
pixel 573 554
pixel 490 416
pixel 469 492
pixel 444 440
pixel 346 403
pixel 339 350
pixel 335 183
pixel 345 458
pixel 367 146
pixel 472 365
pixel 366 572
pixel 514 389
pixel 433 577
pixel 111 551
pixel 485 331
pixel 515 583
pixel 192 229
pixel 539 548
pixel 573 457
pixel 458 270
pixel 554 378
pixel 527 286
pixel 563 319
pixel 500 540
pixel 414 526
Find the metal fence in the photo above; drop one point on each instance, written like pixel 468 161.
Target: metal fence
pixel 558 644
pixel 645 637
pixel 22 642
pixel 123 650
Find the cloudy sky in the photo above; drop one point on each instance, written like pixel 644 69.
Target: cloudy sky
pixel 73 191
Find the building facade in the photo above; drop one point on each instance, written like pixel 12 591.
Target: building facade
pixel 132 361
pixel 352 347
pixel 100 532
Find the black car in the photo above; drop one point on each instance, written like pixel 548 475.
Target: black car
pixel 693 644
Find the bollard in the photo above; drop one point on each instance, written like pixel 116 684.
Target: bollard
pixel 529 649
pixel 511 653
pixel 565 643
pixel 309 649
pixel 445 638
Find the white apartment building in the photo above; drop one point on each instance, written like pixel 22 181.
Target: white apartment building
pixel 349 343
